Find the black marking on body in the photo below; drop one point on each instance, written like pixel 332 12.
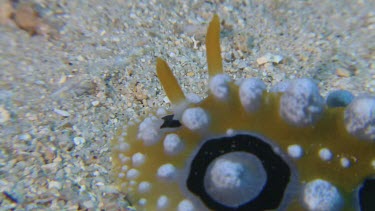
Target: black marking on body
pixel 169 122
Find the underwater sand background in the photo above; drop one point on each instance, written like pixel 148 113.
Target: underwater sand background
pixel 62 96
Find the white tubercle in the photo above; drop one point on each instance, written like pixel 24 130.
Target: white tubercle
pixel 138 159
pixel 251 91
pixel 195 118
pixel 162 203
pixel 185 205
pixel 295 151
pixel 325 154
pixel 173 144
pixel 166 172
pixel 219 86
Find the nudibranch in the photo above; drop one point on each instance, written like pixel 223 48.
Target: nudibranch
pixel 248 148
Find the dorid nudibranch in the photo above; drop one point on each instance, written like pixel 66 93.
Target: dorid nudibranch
pixel 244 148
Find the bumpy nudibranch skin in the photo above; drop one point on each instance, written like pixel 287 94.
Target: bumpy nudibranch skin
pixel 243 148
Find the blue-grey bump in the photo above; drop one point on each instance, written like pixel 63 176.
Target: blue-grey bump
pixel 301 104
pixel 280 86
pixel 360 117
pixel 339 98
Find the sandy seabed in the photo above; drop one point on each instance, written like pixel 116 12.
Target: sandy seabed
pixel 62 96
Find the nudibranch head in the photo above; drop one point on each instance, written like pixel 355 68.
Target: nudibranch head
pixel 244 148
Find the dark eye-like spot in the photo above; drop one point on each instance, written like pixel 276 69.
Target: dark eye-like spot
pixel 169 122
pixel 241 172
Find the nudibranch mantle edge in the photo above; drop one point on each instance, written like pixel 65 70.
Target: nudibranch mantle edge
pixel 245 148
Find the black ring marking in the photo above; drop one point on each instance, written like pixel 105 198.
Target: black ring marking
pixel 366 195
pixel 278 171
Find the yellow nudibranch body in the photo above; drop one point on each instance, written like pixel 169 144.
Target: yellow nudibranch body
pixel 246 148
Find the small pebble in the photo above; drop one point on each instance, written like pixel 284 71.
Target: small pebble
pixel 166 99
pixel 78 140
pixel 6 10
pixel 190 74
pixel 95 103
pixel 27 18
pixel 88 204
pixel 54 184
pixel 24 137
pixel 4 115
pixel 343 72
pixel 262 60
pixel 61 112
pixel 269 58
pixel 62 79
